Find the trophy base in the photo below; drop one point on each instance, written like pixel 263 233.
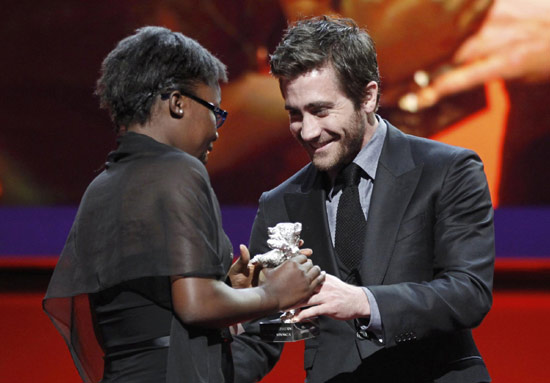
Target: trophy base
pixel 279 331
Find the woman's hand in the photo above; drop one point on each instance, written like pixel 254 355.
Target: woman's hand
pixel 293 282
pixel 242 273
pixel 261 277
pixel 212 303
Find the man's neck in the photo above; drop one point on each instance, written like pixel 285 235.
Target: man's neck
pixel 370 128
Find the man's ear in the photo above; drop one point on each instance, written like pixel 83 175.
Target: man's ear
pixel 176 104
pixel 371 98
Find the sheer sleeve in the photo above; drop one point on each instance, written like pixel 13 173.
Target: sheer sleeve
pixel 152 216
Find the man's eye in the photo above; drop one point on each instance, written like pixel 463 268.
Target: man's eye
pixel 294 116
pixel 321 112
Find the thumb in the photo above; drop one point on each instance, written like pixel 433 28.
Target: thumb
pixel 241 264
pixel 307 313
pixel 245 255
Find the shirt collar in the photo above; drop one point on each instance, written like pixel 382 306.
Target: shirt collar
pixel 368 157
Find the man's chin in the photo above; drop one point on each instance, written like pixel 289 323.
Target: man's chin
pixel 204 158
pixel 331 164
pixel 324 164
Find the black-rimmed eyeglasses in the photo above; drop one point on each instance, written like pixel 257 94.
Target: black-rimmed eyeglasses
pixel 220 114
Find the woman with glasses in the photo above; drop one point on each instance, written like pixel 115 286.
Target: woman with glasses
pixel 140 292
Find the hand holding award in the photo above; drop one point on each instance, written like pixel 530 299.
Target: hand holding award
pixel 284 240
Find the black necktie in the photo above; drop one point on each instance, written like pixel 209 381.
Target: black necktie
pixel 350 220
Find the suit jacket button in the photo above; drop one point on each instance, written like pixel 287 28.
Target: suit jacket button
pixel 362 334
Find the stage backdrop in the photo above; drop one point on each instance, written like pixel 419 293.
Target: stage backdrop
pixel 473 73
pixel 512 338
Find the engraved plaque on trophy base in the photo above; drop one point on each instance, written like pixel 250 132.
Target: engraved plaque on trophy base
pixel 278 331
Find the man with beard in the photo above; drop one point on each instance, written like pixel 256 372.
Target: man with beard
pixel 402 225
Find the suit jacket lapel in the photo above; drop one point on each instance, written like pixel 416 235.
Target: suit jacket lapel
pixel 308 207
pixel 396 178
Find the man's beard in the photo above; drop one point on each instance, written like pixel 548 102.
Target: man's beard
pixel 348 146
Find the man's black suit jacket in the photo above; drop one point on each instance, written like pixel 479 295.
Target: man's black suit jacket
pixel 428 260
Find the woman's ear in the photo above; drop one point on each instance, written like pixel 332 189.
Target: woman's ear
pixel 175 104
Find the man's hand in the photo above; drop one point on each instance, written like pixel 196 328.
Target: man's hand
pixel 243 274
pixel 338 300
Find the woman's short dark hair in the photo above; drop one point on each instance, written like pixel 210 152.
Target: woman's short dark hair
pixel 152 61
pixel 314 43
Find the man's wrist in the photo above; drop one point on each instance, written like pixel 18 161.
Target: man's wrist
pixel 370 327
pixel 362 304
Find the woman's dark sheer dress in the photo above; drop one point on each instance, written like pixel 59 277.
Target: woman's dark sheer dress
pixel 149 215
pixel 133 330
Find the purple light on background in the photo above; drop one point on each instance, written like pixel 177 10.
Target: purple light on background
pixel 522 232
pixel 34 230
pixel 42 231
pixel 237 223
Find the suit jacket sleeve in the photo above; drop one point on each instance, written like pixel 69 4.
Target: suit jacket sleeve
pixel 252 357
pixel 461 251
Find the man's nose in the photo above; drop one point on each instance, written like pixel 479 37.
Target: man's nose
pixel 310 128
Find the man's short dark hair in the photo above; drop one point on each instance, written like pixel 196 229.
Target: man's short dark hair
pixel 317 42
pixel 152 61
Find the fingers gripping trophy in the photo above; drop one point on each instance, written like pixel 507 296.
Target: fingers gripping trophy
pixel 284 240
